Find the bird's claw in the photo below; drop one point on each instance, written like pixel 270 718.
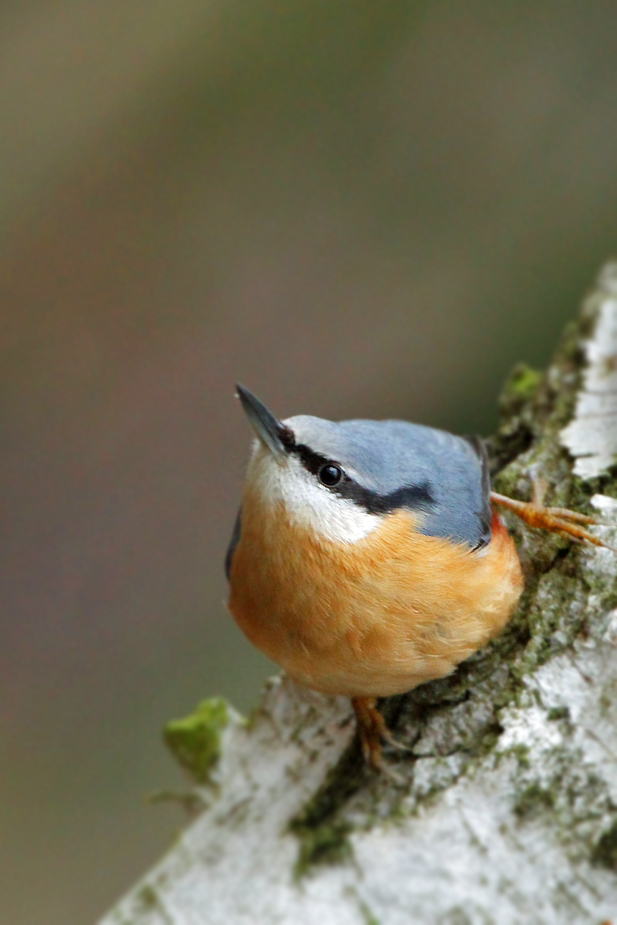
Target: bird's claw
pixel 554 519
pixel 372 729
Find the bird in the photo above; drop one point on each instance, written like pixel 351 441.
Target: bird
pixel 368 557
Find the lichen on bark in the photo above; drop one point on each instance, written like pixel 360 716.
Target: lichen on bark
pixel 508 808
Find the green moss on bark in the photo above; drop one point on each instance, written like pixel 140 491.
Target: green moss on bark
pixel 533 800
pixel 604 853
pixel 195 740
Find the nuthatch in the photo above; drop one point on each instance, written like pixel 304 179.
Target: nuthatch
pixel 366 557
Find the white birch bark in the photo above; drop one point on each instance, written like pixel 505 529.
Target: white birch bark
pixel 508 808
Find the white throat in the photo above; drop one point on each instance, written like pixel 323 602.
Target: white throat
pixel 307 503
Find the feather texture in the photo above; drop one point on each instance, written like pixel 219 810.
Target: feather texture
pixel 370 618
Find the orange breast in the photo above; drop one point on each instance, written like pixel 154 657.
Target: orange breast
pixel 372 618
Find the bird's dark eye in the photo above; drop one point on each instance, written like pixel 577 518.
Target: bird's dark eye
pixel 330 475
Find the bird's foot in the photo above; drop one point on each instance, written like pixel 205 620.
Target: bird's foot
pixel 372 729
pixel 555 519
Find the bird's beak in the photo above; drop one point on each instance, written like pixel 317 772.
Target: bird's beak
pixel 270 431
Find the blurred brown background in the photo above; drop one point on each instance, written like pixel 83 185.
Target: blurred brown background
pixel 357 209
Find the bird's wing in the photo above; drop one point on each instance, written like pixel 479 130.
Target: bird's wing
pixel 235 538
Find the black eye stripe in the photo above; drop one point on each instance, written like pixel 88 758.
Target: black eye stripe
pixel 413 497
pixel 311 460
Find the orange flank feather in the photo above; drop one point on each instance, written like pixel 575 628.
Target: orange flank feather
pixel 371 618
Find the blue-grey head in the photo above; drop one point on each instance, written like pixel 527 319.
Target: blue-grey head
pixel 339 479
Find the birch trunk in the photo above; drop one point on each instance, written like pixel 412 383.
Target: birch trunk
pixel 508 808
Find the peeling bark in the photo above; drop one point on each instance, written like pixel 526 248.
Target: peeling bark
pixel 508 810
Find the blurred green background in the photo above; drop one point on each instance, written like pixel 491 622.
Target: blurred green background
pixel 356 209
